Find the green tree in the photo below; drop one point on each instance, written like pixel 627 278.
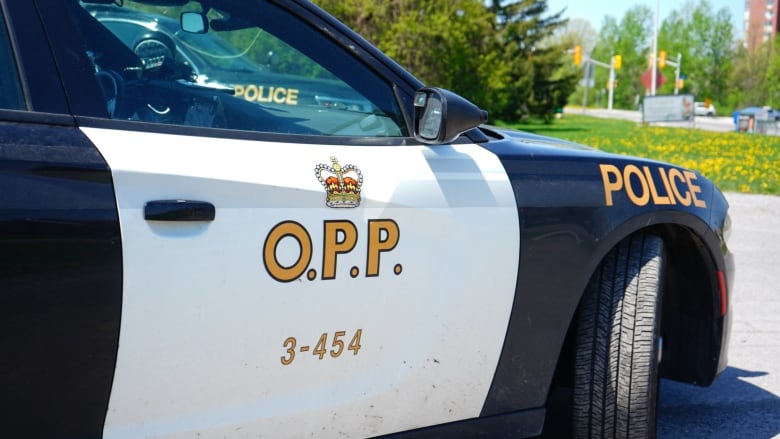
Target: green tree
pixel 446 44
pixel 702 36
pixel 540 84
pixel 750 77
pixel 705 39
pixel 630 38
pixel 576 32
pixel 493 54
pixel 773 75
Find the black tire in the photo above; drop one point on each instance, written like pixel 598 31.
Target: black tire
pixel 617 344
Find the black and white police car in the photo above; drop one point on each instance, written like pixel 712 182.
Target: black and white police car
pixel 181 261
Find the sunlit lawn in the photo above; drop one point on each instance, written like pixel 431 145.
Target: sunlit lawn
pixel 735 161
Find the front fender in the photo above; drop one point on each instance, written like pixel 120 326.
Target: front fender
pixel 573 211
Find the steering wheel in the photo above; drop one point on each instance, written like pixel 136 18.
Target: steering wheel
pixel 157 53
pixel 112 85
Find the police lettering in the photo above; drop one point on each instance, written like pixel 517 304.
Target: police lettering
pixel 268 94
pixel 340 237
pixel 639 184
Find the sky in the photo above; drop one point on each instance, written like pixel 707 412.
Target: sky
pixel 594 11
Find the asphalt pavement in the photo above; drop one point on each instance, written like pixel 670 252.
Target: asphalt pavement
pixel 744 402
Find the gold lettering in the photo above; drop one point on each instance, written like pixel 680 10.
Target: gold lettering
pixel 261 94
pixel 279 94
pixel 340 237
pixel 667 185
pixel 640 185
pixel 292 96
pixel 383 236
pixel 609 185
pixel 257 93
pixel 645 198
pixel 695 189
pixel 251 93
pixel 283 230
pixel 659 200
pixel 675 174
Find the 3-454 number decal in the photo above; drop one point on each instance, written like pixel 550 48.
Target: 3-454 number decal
pixel 321 349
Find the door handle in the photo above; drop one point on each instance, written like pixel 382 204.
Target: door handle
pixel 179 210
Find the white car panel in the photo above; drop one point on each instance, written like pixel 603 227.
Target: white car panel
pixel 206 328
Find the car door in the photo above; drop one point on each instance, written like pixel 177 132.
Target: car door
pixel 283 280
pixel 60 253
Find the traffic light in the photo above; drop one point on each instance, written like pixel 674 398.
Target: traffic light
pixel 680 83
pixel 577 55
pixel 617 61
pixel 662 59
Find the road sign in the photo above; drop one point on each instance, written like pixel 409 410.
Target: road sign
pixel 667 108
pixel 647 79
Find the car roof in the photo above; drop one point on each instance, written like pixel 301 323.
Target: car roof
pixel 753 110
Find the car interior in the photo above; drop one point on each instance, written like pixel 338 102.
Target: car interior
pixel 148 83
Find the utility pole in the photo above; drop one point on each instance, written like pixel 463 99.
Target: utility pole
pixel 611 83
pixel 654 80
pixel 588 70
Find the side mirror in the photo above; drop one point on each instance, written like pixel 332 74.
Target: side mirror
pixel 194 22
pixel 440 116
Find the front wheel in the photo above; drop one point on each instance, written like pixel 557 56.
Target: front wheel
pixel 618 343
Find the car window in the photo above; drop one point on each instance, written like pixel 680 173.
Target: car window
pixel 252 66
pixel 11 96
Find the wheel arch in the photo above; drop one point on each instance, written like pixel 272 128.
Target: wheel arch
pixel 692 323
pixel 692 310
pixel 530 372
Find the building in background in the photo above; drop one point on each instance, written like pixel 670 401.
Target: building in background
pixel 761 21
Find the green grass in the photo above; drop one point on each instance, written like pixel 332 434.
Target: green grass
pixel 734 161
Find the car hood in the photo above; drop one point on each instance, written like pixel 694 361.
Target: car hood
pixel 513 143
pixel 529 139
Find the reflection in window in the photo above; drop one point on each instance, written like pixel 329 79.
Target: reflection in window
pixel 247 71
pixel 11 96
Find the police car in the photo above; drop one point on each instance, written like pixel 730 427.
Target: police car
pixel 179 261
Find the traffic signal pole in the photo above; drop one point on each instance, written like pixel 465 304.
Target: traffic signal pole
pixel 654 69
pixel 611 83
pixel 676 66
pixel 663 61
pixel 614 63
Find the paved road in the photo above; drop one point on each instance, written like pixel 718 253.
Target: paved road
pixel 744 402
pixel 722 124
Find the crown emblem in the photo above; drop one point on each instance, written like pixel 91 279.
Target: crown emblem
pixel 342 183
